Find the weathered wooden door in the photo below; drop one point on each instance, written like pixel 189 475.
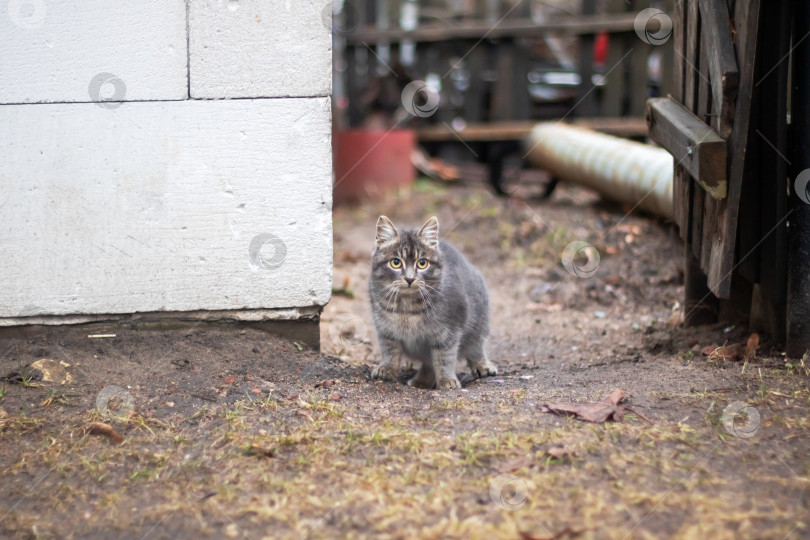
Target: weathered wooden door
pixel 726 125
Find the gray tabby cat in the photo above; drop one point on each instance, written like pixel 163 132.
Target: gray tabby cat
pixel 429 303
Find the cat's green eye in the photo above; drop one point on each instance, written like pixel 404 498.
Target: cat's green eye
pixel 396 263
pixel 422 264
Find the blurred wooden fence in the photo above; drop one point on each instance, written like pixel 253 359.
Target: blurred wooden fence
pixel 502 64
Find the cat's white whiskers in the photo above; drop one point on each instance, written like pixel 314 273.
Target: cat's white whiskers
pixel 430 311
pixel 430 288
pixel 391 294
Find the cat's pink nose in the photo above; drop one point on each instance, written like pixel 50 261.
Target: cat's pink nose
pixel 409 280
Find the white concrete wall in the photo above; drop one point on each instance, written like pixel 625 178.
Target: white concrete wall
pixel 51 51
pixel 147 199
pixel 260 48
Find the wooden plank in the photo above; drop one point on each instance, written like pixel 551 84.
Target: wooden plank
pixel 691 87
pixel 697 210
pixel 692 59
pixel 700 306
pixel 493 11
pixel 524 27
pixel 679 48
pixel 667 58
pixel 613 102
pixel 522 64
pixel 520 76
pixel 503 92
pixel 615 83
pixel 773 168
pixel 763 198
pixel 680 178
pixel 762 202
pixel 586 97
pixel 639 77
pixel 692 143
pixel 703 213
pixel 723 240
pixel 666 52
pixel 704 105
pixel 626 126
pixel 681 198
pixel 474 96
pixel 443 60
pixel 797 343
pixel 723 72
pixel 514 131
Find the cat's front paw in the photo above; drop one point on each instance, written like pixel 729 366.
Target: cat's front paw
pixel 448 384
pixel 386 372
pixel 484 369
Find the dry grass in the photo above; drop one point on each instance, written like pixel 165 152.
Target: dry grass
pixel 310 467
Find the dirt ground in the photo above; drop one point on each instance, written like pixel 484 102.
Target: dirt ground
pixel 220 431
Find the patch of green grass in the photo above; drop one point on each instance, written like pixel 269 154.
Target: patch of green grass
pixel 25 376
pixel 473 450
pixel 140 474
pixel 20 423
pixel 56 397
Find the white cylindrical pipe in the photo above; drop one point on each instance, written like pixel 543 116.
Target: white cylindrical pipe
pixel 622 170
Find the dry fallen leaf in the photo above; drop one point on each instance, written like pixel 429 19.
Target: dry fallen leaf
pixel 751 347
pixel 231 379
pixel 735 351
pixel 105 430
pixel 609 408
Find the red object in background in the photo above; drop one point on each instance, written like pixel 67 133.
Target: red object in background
pixel 600 48
pixel 369 163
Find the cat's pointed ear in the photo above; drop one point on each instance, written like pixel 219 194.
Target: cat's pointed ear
pixel 429 233
pixel 386 232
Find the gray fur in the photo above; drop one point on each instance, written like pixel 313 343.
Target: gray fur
pixel 441 316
